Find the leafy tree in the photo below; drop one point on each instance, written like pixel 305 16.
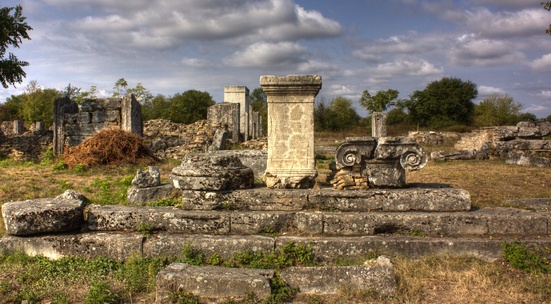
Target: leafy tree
pixel 547 6
pixel 339 115
pixel 189 107
pixel 13 29
pixel 11 109
pixel 157 108
pixel 380 102
pixel 443 103
pixel 121 89
pixel 259 103
pixel 497 110
pixel 38 105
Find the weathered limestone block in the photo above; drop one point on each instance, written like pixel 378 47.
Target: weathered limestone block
pixel 131 115
pixel 42 216
pixel 291 159
pixel 261 199
pixel 141 196
pixel 147 178
pixel 262 222
pixel 213 283
pixel 240 95
pixel 254 159
pixel 125 218
pixel 219 140
pixel 73 195
pixel 117 246
pixel 378 124
pixel 528 159
pixel 375 275
pixel 170 245
pixel 228 114
pixel 205 171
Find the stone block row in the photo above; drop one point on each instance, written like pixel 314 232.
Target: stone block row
pixel 121 246
pixel 484 222
pixel 427 198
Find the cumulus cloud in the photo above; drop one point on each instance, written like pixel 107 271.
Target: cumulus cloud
pixel 398 45
pixel 168 23
pixel 262 55
pixel 469 50
pixel 413 67
pixel 506 3
pixel 545 95
pixel 484 91
pixel 543 63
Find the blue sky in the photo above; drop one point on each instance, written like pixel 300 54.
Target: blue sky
pixel 171 46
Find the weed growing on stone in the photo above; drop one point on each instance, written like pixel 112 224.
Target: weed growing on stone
pixel 523 258
pixel 145 229
pixel 192 256
pixel 183 297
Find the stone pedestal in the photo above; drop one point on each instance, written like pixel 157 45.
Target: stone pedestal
pixel 240 95
pixel 291 161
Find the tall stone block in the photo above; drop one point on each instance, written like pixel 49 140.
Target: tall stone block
pixel 131 115
pixel 62 106
pixel 291 161
pixel 255 125
pixel 240 95
pixel 228 114
pixel 378 124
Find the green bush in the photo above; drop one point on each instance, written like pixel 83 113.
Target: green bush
pixel 523 258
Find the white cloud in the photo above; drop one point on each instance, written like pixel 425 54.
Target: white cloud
pixel 545 95
pixel 484 91
pixel 197 62
pixel 401 45
pixel 543 63
pixel 508 24
pixel 414 67
pixel 469 50
pixel 507 3
pixel 262 55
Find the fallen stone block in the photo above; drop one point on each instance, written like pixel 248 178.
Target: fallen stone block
pixel 45 215
pixel 141 196
pixel 205 171
pixel 212 283
pixel 375 275
pixel 117 246
pixel 262 222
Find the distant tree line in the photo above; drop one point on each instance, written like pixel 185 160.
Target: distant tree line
pixel 445 104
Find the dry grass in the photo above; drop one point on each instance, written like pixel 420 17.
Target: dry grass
pixel 490 183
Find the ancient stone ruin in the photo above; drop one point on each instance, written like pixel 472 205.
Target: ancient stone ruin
pixel 19 143
pixel 221 211
pixel 523 144
pixel 73 122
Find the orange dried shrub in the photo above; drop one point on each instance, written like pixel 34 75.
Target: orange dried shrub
pixel 109 147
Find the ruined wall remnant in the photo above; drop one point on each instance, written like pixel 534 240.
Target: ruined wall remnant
pixel 378 124
pixel 523 144
pixel 226 114
pixel 291 162
pixel 73 122
pixel 255 125
pixel 19 143
pixel 240 95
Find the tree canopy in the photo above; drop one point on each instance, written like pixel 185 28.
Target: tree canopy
pixel 497 110
pixel 442 103
pixel 259 103
pixel 380 102
pixel 339 115
pixel 547 6
pixel 13 29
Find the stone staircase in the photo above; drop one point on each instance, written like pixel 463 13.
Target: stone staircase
pixel 416 221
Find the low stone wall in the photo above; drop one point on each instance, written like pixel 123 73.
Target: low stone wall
pixel 523 144
pixel 433 138
pixel 27 146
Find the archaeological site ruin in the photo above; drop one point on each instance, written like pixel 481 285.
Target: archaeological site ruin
pixel 366 208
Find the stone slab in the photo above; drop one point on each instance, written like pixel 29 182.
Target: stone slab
pixel 171 245
pixel 331 249
pixel 248 199
pixel 262 222
pixel 117 246
pixel 430 198
pixel 129 218
pixel 141 196
pixel 375 275
pixel 45 215
pixel 212 283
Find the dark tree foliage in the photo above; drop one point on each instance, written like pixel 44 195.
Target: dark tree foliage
pixel 189 107
pixel 157 108
pixel 547 6
pixel 340 115
pixel 13 29
pixel 259 103
pixel 443 103
pixel 497 110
